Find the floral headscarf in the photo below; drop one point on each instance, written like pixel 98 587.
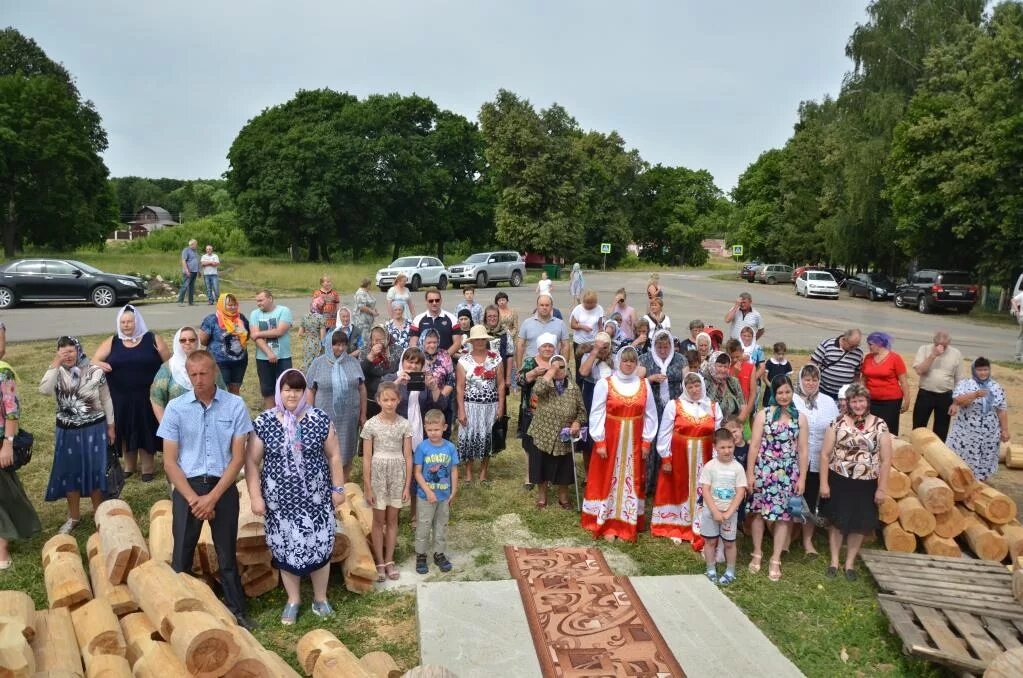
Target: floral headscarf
pixel 811 398
pixel 291 446
pixel 231 322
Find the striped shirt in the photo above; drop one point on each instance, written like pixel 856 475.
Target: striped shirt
pixel 838 367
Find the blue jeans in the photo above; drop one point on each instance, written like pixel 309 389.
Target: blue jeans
pixel 212 287
pixel 189 285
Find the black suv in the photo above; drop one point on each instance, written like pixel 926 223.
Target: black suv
pixel 929 290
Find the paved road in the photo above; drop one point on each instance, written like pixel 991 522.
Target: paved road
pixel 800 323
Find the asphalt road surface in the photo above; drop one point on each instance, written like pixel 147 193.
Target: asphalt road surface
pixel 800 323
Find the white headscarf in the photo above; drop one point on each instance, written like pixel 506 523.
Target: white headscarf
pixel 547 338
pixel 665 395
pixel 625 378
pixel 178 369
pixel 702 405
pixel 140 324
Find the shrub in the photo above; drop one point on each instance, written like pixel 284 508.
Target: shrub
pixel 220 230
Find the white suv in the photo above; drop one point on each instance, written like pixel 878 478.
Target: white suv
pixel 419 271
pixel 488 268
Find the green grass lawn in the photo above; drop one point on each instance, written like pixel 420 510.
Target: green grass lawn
pixel 810 618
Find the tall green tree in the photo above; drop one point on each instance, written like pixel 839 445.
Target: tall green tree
pixel 674 206
pixel 53 183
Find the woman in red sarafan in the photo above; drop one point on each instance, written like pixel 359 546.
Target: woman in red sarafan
pixel 685 442
pixel 623 424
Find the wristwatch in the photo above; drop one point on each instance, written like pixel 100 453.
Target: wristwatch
pixel 337 490
pixel 10 438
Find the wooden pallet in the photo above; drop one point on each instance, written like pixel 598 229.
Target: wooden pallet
pixel 953 611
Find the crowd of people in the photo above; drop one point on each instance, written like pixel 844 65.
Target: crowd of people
pixel 697 433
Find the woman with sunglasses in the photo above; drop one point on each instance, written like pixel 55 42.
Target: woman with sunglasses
pixel 171 379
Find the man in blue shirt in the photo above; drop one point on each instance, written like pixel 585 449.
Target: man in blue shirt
pixel 204 433
pixel 189 271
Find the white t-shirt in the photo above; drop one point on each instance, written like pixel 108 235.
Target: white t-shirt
pixel 1018 300
pixel 592 318
pixel 724 481
pixel 544 286
pixel 208 259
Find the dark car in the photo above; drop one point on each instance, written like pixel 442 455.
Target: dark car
pixel 930 289
pixel 874 286
pixel 838 274
pixel 64 280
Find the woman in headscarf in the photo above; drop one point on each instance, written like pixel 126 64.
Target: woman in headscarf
pixel 613 328
pixel 623 425
pixel 312 328
pixel 345 323
pixel 705 348
pixel 225 335
pixel 559 405
pixel 532 369
pixel 820 411
pixel 500 343
pixel 131 359
pixel 85 424
pixel 576 283
pixel 381 358
pixel 981 420
pixel 722 387
pixel 465 323
pixel 171 379
pixel 685 442
pixel 642 342
pixel 298 488
pixel 440 365
pixel 480 397
pixel 776 471
pixel 18 518
pixel 664 369
pixel 883 372
pixel 365 309
pixel 398 325
pixel 338 387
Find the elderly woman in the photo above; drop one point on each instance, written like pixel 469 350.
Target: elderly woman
pixel 85 425
pixel 623 424
pixel 705 349
pixel 171 379
pixel 381 358
pixel 559 405
pixel 642 342
pixel 346 325
pixel 500 343
pixel 226 334
pixel 656 316
pixel 664 368
pixel 398 325
pixel 532 369
pixel 365 309
pixel 776 470
pixel 723 388
pixel 131 359
pixel 585 321
pixel 857 454
pixel 480 395
pixel 884 374
pixel 820 411
pixel 981 420
pixel 299 486
pixel 400 294
pixel 337 386
pixel 312 328
pixel 576 283
pixel 18 519
pixel 612 327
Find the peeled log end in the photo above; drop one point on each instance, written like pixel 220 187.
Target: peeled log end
pixel 107 666
pixel 204 643
pixel 888 510
pixel 312 645
pixel 897 539
pixel 941 546
pixel 380 665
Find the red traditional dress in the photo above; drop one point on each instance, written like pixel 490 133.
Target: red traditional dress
pixel 686 439
pixel 623 419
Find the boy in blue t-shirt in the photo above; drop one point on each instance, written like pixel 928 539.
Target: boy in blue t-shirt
pixel 436 471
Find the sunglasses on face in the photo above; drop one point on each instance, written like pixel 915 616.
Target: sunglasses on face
pixel 184 340
pixel 433 301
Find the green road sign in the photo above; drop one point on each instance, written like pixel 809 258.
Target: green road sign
pixel 736 250
pixel 605 248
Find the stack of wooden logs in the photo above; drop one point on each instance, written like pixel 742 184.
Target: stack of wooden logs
pixel 322 655
pixel 934 501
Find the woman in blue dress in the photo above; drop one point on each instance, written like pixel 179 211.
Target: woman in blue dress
pixel 337 386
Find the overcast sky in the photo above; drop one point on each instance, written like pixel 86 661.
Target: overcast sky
pixel 701 84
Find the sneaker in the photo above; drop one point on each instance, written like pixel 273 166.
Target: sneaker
pixel 322 609
pixel 712 576
pixel 289 614
pixel 421 566
pixel 442 562
pixel 69 525
pixel 726 579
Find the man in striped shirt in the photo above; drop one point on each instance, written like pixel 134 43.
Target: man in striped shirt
pixel 840 359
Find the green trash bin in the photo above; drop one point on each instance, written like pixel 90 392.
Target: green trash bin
pixel 553 270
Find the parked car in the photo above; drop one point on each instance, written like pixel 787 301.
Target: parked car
pixel 838 274
pixel 929 290
pixel 797 272
pixel 813 283
pixel 772 274
pixel 419 271
pixel 65 280
pixel 489 268
pixel 874 286
pixel 747 269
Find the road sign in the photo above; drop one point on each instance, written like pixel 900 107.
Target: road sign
pixel 736 250
pixel 605 248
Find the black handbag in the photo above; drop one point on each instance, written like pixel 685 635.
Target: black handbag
pixel 115 473
pixel 22 448
pixel 499 434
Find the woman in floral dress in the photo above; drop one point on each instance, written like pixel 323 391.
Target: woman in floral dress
pixel 312 328
pixel 776 470
pixel 398 325
pixel 981 421
pixel 480 388
pixel 365 310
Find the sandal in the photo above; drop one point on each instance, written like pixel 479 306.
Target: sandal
pixel 567 505
pixel 774 572
pixel 290 613
pixel 726 579
pixel 541 504
pixel 392 571
pixel 381 573
pixel 754 565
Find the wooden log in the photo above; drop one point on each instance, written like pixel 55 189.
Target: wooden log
pixel 65 580
pixel 107 666
pixel 922 470
pixel 941 546
pixel 1014 538
pixel 949 524
pixel 55 646
pixel 947 463
pixel 897 539
pixel 119 597
pixel 904 456
pixel 98 630
pixel 1003 452
pixel 359 562
pixel 111 507
pixel 982 540
pixel 253 556
pixel 159 661
pixel 16 657
pixel 164 507
pixel 339 662
pixel 251 528
pixel 58 543
pixel 123 546
pixel 259 579
pixel 250 663
pixel 161 538
pixel 935 495
pixel 1014 457
pixel 888 510
pixel 139 634
pixel 362 512
pixel 913 517
pixel 277 667
pixel 18 606
pixel 353 490
pixel 203 643
pixel 92 545
pixel 898 484
pixel 160 593
pixel 994 506
pixel 312 645
pixel 208 598
pixel 380 665
pixel 1009 664
pixel 342 544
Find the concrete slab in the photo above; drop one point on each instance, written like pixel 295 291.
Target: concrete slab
pixel 479 629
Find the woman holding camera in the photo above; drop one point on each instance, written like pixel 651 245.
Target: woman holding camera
pixel 380 359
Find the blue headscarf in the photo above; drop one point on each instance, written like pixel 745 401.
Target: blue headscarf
pixel 987 403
